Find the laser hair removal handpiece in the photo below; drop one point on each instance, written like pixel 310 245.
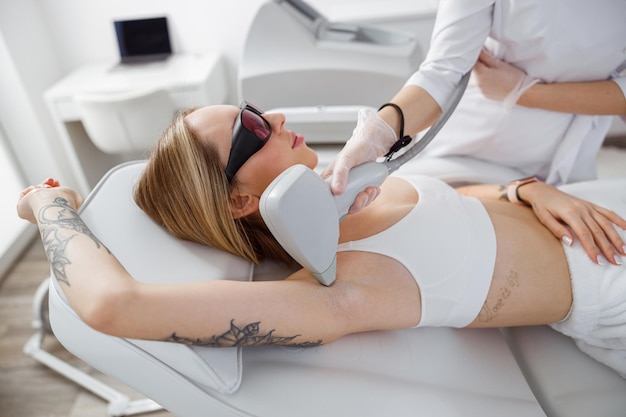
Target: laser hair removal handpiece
pixel 303 214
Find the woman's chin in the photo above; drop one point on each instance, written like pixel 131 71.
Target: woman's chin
pixel 313 160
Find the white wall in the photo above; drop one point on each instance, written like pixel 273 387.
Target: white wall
pixel 15 234
pixel 43 40
pixel 82 31
pixel 28 65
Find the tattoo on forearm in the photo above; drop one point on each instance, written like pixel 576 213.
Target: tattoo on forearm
pixel 55 219
pixel 248 335
pixel 491 310
pixel 504 196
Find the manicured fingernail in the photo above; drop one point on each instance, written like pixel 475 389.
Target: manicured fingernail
pixel 567 240
pixel 624 248
pixel 602 260
pixel 617 259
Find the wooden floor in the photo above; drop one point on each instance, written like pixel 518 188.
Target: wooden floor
pixel 28 388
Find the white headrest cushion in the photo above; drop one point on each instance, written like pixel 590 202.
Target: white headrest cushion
pixel 151 254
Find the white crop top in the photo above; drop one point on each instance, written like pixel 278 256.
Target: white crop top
pixel 448 244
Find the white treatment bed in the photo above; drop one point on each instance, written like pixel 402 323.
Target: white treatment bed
pixel 430 371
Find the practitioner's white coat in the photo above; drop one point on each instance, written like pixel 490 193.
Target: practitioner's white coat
pixel 554 40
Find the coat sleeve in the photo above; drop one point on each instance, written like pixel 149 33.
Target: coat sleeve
pixel 460 31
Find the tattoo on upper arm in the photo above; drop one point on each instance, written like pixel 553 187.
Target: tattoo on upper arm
pixel 491 310
pixel 248 335
pixel 55 220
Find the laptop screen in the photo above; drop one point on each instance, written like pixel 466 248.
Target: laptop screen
pixel 143 39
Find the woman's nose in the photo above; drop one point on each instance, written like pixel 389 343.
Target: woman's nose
pixel 276 120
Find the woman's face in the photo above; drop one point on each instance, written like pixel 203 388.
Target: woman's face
pixel 283 149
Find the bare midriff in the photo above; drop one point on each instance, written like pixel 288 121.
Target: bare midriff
pixel 531 281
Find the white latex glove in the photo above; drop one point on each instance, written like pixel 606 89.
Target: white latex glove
pixel 499 80
pixel 372 137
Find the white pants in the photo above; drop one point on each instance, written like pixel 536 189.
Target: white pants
pixel 597 319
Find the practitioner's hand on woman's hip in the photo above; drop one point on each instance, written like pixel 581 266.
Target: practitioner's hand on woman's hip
pixel 568 218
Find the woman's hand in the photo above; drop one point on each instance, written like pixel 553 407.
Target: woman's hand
pixel 568 217
pixel 33 197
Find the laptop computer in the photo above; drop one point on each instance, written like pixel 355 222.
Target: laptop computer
pixel 143 40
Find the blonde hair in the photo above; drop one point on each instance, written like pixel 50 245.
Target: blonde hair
pixel 184 188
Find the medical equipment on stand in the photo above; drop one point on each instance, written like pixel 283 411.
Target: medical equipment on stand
pixel 294 57
pixel 299 194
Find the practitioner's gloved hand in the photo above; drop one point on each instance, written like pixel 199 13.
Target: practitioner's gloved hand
pixel 33 197
pixel 568 217
pixel 501 81
pixel 371 138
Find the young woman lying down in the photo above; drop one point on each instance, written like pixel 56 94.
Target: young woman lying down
pixel 421 254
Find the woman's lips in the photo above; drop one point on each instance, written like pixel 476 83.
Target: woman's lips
pixel 296 140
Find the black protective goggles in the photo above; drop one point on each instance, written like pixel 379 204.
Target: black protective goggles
pixel 250 133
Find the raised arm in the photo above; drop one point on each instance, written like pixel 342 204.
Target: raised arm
pixel 566 216
pixel 210 313
pixel 294 312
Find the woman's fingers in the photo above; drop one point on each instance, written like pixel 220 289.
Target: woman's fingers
pixel 570 218
pixel 595 242
pixel 553 224
pixel 47 183
pixel 28 190
pixel 600 226
pixel 593 226
pixel 615 219
pixel 596 233
pixel 607 237
pixel 51 182
pixel 49 188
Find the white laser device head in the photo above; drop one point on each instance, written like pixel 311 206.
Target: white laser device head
pixel 299 209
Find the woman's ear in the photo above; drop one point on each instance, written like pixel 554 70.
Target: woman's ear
pixel 243 204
